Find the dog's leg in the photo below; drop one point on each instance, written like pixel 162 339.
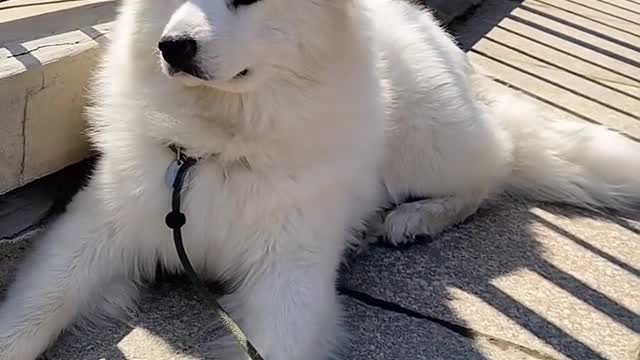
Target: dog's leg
pixel 290 312
pixel 75 269
pixel 427 217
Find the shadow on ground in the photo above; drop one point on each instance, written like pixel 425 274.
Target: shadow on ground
pixel 494 243
pixel 398 302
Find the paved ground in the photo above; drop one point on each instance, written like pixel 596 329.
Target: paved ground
pixel 517 280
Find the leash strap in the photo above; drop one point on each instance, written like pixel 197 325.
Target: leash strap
pixel 175 220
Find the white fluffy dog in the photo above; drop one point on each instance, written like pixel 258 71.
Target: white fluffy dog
pixel 306 116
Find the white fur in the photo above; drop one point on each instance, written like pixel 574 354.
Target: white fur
pixel 350 105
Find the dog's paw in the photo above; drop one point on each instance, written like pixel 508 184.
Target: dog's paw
pixel 391 228
pixel 416 221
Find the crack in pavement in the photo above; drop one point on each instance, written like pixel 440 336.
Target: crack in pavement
pixel 41 47
pixel 463 331
pixel 30 51
pixel 24 136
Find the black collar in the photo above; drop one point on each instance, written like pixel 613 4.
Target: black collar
pixel 182 156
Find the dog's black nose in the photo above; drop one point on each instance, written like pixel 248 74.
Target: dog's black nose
pixel 178 52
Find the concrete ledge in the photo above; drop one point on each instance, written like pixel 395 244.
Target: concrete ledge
pixel 26 20
pixel 43 77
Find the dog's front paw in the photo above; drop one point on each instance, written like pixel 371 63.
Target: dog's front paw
pixel 416 221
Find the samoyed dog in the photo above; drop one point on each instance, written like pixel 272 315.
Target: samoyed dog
pixel 305 116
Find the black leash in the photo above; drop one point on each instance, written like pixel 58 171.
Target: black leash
pixel 176 174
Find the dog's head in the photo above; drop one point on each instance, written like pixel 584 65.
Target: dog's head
pixel 238 45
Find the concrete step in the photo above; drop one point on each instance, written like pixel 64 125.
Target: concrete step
pixel 47 52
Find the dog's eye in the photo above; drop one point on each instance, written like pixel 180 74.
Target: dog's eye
pixel 237 3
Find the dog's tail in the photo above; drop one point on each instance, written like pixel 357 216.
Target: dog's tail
pixel 579 163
